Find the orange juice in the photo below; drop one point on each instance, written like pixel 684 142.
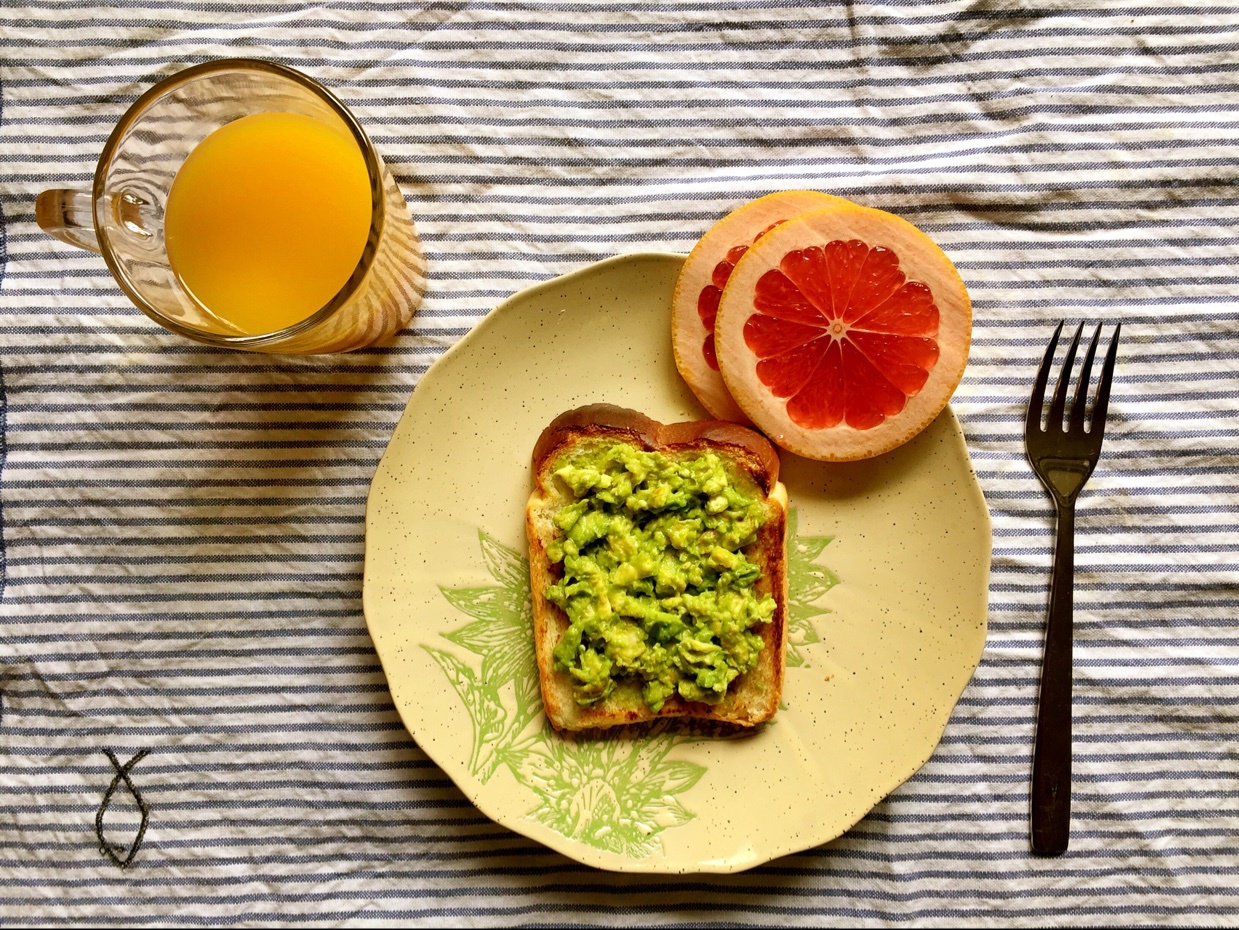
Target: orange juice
pixel 267 219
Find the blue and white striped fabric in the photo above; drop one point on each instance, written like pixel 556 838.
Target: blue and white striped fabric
pixel 183 527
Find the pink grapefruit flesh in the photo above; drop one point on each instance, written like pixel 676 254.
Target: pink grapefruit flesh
pixel 701 283
pixel 843 332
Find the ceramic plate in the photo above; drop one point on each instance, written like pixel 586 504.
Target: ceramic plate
pixel 889 581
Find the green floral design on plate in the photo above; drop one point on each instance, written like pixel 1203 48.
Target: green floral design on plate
pixel 806 583
pixel 614 792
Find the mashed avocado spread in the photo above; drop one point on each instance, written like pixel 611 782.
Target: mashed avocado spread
pixel 654 584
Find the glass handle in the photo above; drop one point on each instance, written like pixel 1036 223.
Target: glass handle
pixel 69 216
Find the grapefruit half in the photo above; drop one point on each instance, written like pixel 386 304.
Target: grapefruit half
pixel 843 332
pixel 701 284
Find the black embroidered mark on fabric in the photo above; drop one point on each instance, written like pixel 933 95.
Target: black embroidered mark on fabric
pixel 122 774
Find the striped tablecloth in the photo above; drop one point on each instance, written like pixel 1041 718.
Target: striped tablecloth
pixel 183 528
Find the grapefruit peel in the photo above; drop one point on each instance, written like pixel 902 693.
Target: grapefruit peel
pixel 701 283
pixel 843 332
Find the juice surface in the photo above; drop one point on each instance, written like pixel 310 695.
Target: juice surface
pixel 267 219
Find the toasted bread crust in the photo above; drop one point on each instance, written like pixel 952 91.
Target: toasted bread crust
pixel 754 696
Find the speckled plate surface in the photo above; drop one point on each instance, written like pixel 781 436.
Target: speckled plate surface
pixel 889 581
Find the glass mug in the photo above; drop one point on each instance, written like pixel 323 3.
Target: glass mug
pixel 123 215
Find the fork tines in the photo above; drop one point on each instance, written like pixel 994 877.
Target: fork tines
pixel 1058 404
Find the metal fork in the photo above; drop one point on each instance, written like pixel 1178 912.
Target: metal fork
pixel 1063 458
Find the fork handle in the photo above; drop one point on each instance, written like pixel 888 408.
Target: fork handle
pixel 1051 779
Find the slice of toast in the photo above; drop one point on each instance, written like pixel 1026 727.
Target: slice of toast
pixel 751 698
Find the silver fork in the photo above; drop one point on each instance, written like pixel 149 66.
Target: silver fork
pixel 1063 458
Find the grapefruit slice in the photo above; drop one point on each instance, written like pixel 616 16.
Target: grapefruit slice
pixel 843 332
pixel 701 284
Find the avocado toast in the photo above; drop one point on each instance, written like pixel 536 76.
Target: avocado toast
pixel 658 570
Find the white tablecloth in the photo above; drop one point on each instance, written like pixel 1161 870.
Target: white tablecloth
pixel 183 528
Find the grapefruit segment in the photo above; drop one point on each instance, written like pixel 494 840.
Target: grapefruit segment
pixel 869 395
pixel 787 373
pixel 910 311
pixel 842 332
pixel 879 280
pixel 767 335
pixel 778 297
pixel 819 404
pixel 706 272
